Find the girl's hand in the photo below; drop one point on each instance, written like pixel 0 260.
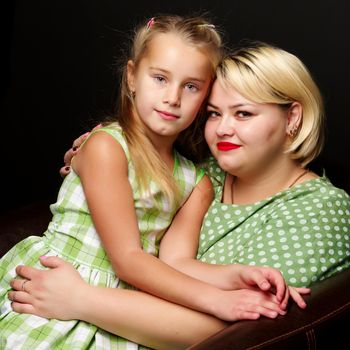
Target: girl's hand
pixel 247 304
pixel 268 279
pixel 54 293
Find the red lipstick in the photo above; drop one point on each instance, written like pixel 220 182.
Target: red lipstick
pixel 226 146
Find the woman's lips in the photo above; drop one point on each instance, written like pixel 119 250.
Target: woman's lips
pixel 226 146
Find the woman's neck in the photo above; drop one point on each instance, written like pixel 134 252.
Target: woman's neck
pixel 251 189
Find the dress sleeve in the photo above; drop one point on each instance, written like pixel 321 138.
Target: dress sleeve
pixel 200 172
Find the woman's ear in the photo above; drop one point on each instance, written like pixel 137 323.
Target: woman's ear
pixel 295 117
pixel 130 69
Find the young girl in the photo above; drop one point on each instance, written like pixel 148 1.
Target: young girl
pixel 128 186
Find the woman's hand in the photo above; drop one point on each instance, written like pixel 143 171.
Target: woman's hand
pixel 54 293
pixel 64 171
pixel 268 279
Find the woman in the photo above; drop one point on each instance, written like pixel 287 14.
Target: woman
pixel 265 125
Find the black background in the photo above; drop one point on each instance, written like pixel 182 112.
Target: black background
pixel 58 74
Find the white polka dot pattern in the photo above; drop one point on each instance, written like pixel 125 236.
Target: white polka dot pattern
pixel 303 231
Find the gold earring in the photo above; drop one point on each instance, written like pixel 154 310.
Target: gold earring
pixel 293 130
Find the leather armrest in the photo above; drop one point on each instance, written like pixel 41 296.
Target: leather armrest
pixel 322 325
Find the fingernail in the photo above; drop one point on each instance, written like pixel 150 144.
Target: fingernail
pixel 43 257
pixel 264 285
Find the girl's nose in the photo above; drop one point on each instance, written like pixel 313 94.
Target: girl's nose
pixel 172 96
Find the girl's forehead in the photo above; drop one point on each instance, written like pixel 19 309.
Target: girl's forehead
pixel 168 40
pixel 172 52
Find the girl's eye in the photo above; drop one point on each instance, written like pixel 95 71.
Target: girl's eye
pixel 159 78
pixel 192 87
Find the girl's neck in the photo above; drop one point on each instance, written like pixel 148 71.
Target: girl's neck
pixel 168 157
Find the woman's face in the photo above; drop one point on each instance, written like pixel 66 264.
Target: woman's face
pixel 245 137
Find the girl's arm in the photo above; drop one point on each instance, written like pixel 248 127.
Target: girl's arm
pixel 134 315
pixel 103 170
pixel 179 248
pixel 225 277
pixel 61 293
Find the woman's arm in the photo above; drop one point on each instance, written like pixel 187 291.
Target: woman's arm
pixel 62 294
pixel 179 246
pixel 102 167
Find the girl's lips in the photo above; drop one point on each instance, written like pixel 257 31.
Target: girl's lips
pixel 167 116
pixel 227 146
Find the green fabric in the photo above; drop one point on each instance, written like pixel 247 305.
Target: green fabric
pixel 72 236
pixel 303 231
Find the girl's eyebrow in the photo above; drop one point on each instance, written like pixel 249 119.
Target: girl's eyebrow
pixel 167 72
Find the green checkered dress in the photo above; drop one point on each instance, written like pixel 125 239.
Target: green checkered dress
pixel 72 236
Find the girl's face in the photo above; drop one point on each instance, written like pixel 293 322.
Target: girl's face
pixel 171 83
pixel 245 137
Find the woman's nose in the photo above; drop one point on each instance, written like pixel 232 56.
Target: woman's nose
pixel 226 126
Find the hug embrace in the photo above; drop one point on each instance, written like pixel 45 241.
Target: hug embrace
pixel 193 208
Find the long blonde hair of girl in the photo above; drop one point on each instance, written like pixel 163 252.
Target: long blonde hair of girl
pixel 199 33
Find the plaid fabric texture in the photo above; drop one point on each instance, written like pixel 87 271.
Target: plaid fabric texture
pixel 72 236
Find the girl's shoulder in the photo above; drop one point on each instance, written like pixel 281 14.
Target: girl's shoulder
pixel 188 167
pixel 115 130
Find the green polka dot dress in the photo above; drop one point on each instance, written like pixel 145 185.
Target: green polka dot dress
pixel 303 231
pixel 72 236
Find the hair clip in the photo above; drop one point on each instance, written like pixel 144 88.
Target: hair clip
pixel 207 25
pixel 150 23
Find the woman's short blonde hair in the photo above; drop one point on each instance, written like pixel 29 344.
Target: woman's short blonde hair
pixel 264 73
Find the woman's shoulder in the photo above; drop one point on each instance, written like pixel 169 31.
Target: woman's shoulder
pixel 212 168
pixel 324 188
pixel 320 192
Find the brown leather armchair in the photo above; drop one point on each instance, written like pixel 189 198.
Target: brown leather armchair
pixel 322 325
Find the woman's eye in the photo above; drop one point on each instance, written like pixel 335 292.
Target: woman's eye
pixel 243 114
pixel 212 114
